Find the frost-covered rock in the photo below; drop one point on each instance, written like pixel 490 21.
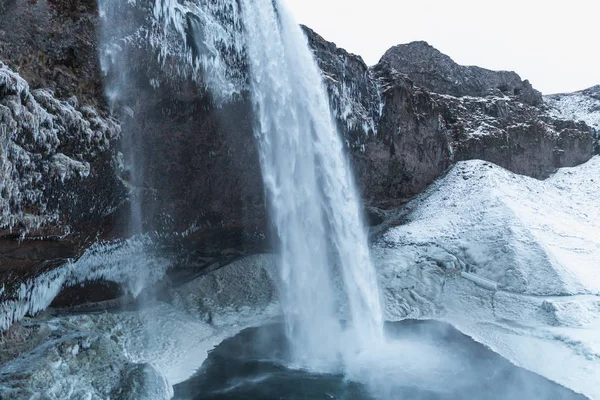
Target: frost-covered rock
pixel 137 354
pixel 131 264
pixel 58 182
pixel 354 93
pixel 491 115
pixel 432 69
pixel 509 260
pixel 578 106
pixel 515 135
pixel 142 381
pixel 37 176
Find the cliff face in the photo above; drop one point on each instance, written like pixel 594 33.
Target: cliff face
pixel 52 44
pixel 59 183
pixel 431 69
pixel 583 105
pixel 191 163
pixel 491 115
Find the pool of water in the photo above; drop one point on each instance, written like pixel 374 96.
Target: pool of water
pixel 423 360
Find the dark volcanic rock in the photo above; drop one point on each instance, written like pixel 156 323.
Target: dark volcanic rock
pixel 52 45
pixel 521 138
pixel 583 106
pixel 411 147
pixel 430 68
pixel 353 92
pixel 392 128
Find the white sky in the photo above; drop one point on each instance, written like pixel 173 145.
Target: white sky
pixel 553 43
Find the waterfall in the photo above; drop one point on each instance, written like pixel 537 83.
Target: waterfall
pixel 231 47
pixel 311 193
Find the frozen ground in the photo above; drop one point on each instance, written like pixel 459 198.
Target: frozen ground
pixel 136 354
pixel 508 260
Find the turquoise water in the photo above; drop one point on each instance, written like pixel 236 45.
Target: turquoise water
pixel 253 365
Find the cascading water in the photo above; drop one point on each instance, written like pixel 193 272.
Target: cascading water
pixel 311 194
pixel 310 190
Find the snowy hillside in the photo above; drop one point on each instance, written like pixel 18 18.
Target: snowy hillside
pixel 580 106
pixel 512 261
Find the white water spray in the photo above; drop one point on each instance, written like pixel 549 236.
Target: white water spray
pixel 310 189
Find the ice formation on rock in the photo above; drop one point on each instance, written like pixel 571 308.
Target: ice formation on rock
pixel 139 353
pixel 36 130
pixel 129 263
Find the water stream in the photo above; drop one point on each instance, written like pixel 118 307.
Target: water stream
pixel 311 193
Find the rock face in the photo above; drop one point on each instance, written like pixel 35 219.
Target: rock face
pixel 491 115
pixel 354 95
pixel 520 137
pixel 431 69
pixel 52 45
pixel 59 185
pixel 424 123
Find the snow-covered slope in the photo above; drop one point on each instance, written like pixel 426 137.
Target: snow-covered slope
pixel 512 261
pixel 580 106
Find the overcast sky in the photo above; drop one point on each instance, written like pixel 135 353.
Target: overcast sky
pixel 553 43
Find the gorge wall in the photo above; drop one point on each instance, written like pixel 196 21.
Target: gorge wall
pixel 65 185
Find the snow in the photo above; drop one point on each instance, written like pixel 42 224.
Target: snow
pixel 511 261
pixel 508 260
pixel 578 106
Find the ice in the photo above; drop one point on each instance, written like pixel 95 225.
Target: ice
pixel 204 37
pixel 93 355
pixel 126 262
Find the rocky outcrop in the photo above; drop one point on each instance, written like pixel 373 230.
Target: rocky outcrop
pixel 392 127
pixel 517 136
pixel 493 116
pixel 424 125
pixel 411 148
pixel 431 69
pixel 52 45
pixel 354 95
pixel 578 106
